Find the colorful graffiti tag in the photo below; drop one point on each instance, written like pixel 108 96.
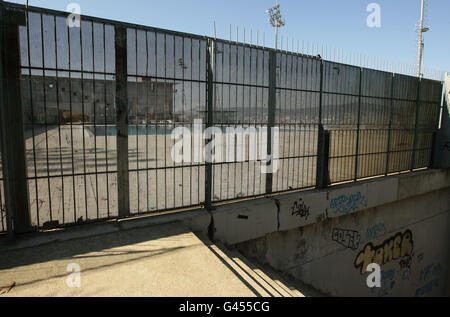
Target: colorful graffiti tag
pixel 376 231
pixel 397 247
pixel 348 203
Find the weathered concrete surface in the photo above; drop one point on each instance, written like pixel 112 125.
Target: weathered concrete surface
pixel 249 220
pixel 159 260
pixel 442 146
pixel 165 260
pixel 316 236
pixel 409 238
pixel 243 221
pixel 415 184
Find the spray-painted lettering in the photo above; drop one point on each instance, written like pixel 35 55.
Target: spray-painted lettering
pixel 347 238
pixel 300 209
pixel 376 232
pixel 399 246
pixel 348 203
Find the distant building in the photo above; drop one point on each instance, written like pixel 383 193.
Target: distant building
pixel 220 116
pixel 51 100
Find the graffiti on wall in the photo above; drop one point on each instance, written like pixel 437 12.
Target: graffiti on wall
pixel 300 209
pixel 430 275
pixel 348 238
pixel 322 216
pixel 397 247
pixel 406 262
pixel 387 283
pixel 348 203
pixel 376 232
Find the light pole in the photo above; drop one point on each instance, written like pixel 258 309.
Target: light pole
pixel 420 46
pixel 276 20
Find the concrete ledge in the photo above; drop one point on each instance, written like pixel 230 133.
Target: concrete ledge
pixel 196 220
pixel 360 196
pixel 35 239
pixel 422 182
pixel 244 221
pixel 301 209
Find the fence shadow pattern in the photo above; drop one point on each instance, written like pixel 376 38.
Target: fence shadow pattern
pixel 379 122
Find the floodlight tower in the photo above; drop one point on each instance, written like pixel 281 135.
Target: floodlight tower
pixel 276 20
pixel 420 45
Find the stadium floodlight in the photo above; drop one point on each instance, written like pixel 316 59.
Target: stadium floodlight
pixel 276 20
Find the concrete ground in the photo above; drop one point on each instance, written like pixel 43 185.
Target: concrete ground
pixel 157 261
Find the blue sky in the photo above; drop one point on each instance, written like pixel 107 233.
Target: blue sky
pixel 340 24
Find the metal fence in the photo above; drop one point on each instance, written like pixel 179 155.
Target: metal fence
pixel 3 224
pixel 100 102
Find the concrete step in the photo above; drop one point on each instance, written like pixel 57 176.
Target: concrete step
pixel 278 286
pixel 156 261
pixel 264 281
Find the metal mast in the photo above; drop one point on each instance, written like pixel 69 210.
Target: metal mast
pixel 420 45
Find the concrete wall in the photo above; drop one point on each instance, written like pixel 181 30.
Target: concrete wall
pixel 442 148
pixel 327 238
pixel 409 238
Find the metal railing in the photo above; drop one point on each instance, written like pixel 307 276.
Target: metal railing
pixel 99 103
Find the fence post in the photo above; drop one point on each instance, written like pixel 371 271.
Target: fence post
pixel 13 140
pixel 323 144
pixel 210 56
pixel 391 113
pixel 437 155
pixel 123 186
pixel 358 125
pixel 271 114
pixel 416 125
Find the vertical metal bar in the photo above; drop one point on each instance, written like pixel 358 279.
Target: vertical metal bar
pixel 165 119
pixel 33 132
pixel 106 121
pixel 123 185
pixel 94 104
pixel 136 118
pixel 236 118
pixel 434 161
pixel 433 157
pixel 416 125
pixel 391 112
pixel 156 118
pixel 323 178
pixel 82 123
pixel 323 144
pixel 11 123
pixel 59 119
pixel 44 89
pixel 147 88
pixel 69 53
pixel 358 124
pixel 271 114
pixel 210 57
pixel 173 96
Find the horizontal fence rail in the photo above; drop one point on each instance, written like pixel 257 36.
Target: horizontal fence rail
pixel 105 105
